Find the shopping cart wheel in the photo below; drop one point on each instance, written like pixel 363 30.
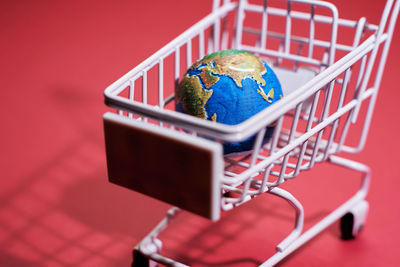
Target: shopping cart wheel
pixel 353 221
pixel 139 260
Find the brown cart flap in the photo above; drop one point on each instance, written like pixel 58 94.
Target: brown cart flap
pixel 174 167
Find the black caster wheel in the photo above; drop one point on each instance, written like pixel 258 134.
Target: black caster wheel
pixel 353 221
pixel 139 260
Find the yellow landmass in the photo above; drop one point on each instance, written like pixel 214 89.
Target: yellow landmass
pixel 206 77
pixel 214 117
pixel 237 66
pixel 268 97
pixel 193 97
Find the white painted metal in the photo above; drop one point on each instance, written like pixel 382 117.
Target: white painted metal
pixel 360 212
pixel 312 120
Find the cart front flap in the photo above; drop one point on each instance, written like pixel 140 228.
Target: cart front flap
pixel 174 167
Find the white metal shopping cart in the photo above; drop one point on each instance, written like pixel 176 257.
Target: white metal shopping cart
pixel 330 69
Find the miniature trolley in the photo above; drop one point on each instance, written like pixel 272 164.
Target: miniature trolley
pixel 330 69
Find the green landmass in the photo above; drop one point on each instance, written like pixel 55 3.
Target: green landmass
pixel 236 64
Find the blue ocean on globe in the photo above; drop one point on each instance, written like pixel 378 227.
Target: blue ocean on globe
pixel 229 87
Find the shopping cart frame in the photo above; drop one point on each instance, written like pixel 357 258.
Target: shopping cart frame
pixel 314 144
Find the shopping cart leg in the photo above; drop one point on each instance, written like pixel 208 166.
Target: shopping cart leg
pixel 147 252
pixel 298 228
pixel 353 221
pixel 355 205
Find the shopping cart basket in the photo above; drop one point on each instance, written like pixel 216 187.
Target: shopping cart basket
pixel 330 69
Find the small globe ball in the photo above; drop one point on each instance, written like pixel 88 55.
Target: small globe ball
pixel 229 87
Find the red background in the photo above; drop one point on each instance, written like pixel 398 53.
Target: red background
pixel 56 205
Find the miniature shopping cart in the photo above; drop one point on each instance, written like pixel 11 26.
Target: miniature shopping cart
pixel 330 69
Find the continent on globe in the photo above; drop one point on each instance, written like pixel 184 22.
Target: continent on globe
pixel 228 87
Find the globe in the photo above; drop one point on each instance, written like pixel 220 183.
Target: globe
pixel 229 87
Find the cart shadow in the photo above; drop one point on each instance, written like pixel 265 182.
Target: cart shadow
pixel 7 260
pixel 111 209
pixel 92 200
pixel 262 210
pixel 332 230
pixel 67 205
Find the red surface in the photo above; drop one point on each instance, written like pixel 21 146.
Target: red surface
pixel 56 206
